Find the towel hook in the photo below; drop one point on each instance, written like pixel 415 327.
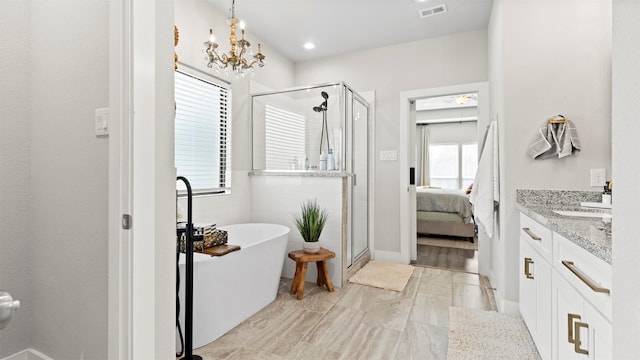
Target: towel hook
pixel 558 119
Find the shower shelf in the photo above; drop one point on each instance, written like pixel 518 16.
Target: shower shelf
pixel 309 173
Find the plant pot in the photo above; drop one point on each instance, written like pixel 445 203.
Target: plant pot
pixel 311 247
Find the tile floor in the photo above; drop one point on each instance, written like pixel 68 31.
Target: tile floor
pixel 448 258
pixel 357 322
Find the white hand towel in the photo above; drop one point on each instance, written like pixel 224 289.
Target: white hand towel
pixel 485 194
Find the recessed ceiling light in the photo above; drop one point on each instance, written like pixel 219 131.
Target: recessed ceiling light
pixel 309 45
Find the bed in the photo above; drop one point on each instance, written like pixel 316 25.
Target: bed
pixel 444 212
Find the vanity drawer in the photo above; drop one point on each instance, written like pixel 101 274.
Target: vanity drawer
pixel 538 236
pixel 589 275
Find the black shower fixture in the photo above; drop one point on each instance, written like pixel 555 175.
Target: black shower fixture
pixel 323 106
pixel 323 109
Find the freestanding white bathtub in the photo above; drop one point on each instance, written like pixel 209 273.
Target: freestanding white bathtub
pixel 229 289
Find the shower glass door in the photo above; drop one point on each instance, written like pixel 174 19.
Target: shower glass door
pixel 360 183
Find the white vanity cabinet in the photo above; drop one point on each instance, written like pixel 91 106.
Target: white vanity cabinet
pixel 565 295
pixel 535 280
pixel 582 303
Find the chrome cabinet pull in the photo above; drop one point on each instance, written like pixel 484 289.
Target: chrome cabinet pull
pixel 585 279
pixel 527 262
pixel 531 234
pixel 573 330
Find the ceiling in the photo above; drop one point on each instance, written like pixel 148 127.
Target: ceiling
pixel 342 26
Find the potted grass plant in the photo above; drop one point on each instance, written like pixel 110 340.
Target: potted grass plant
pixel 310 222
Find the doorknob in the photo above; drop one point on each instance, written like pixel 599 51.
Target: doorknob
pixel 7 307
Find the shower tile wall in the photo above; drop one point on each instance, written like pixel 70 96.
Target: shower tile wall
pixel 276 199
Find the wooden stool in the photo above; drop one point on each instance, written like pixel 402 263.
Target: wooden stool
pixel 301 258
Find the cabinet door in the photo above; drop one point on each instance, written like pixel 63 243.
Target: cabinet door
pixel 535 296
pixel 528 286
pixel 572 329
pixel 600 334
pixel 542 275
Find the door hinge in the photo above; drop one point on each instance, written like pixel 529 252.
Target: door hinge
pixel 126 221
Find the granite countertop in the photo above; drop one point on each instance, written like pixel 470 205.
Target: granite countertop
pixel 592 234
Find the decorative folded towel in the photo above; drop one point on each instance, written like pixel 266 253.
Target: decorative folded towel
pixel 554 139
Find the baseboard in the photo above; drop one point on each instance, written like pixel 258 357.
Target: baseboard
pixel 28 354
pixel 389 256
pixel 508 307
pixel 504 306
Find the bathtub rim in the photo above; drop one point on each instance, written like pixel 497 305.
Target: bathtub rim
pixel 198 257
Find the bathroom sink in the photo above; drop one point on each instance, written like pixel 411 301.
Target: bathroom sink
pixel 590 214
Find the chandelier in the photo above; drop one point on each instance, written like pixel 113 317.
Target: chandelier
pixel 235 59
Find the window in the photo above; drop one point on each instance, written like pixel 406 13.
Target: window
pixel 285 138
pixel 453 166
pixel 469 163
pixel 202 134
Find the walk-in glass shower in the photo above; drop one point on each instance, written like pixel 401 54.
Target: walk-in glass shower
pixel 319 131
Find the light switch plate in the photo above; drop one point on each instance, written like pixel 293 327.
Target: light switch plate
pixel 389 155
pixel 102 122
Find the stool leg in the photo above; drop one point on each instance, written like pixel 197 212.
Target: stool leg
pixel 320 281
pixel 303 275
pixel 296 278
pixel 327 278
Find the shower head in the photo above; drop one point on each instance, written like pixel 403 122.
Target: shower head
pixel 323 106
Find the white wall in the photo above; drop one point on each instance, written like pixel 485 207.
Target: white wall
pixel 69 187
pixel 626 167
pixel 194 18
pixel 277 199
pixel 453 132
pixel 15 230
pixel 427 63
pixel 542 65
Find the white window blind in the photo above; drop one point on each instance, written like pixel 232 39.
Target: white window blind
pixel 285 138
pixel 202 134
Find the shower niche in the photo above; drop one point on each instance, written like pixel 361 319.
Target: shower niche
pixel 314 143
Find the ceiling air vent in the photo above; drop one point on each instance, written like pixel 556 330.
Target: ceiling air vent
pixel 436 10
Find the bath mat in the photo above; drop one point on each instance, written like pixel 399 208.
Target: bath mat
pixel 383 275
pixel 476 334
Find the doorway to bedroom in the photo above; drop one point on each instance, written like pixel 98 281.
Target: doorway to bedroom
pixel 408 162
pixel 446 153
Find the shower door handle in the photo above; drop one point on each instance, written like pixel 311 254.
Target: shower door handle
pixel 7 308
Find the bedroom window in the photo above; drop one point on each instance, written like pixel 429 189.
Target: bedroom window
pixel 452 166
pixel 202 133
